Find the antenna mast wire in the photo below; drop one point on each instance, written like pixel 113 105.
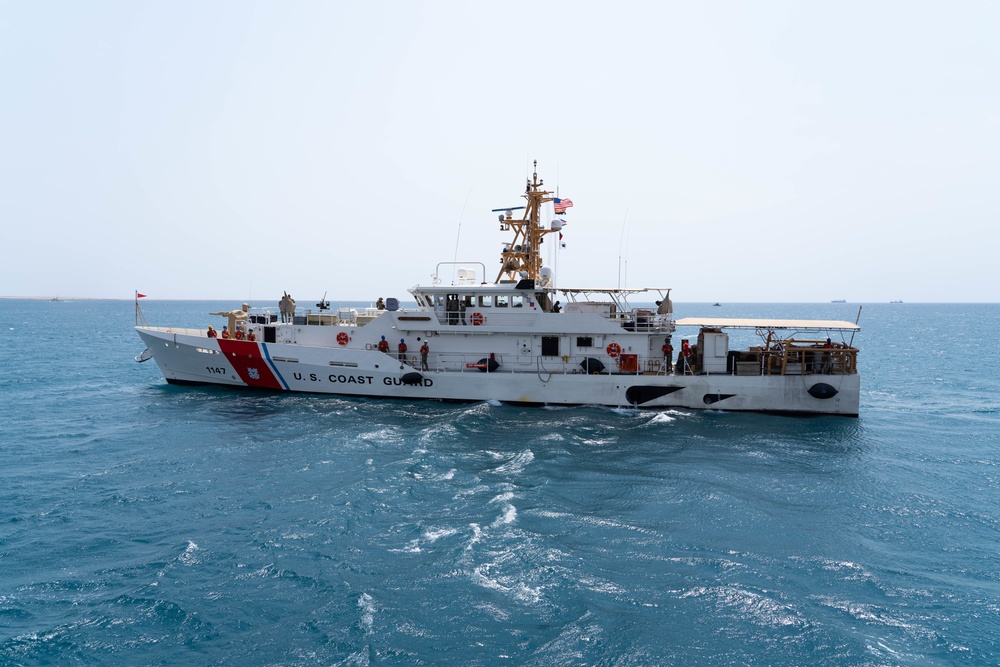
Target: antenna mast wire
pixel 458 236
pixel 621 244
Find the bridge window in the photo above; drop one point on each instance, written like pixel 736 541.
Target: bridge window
pixel 502 301
pixel 584 341
pixel 486 301
pixel 516 301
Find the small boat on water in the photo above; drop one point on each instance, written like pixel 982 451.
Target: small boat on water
pixel 521 339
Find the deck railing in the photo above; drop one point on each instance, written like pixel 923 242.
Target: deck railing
pixel 789 361
pixel 810 357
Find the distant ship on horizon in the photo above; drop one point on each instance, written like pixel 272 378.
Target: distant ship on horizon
pixel 839 301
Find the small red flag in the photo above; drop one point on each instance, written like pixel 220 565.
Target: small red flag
pixel 139 296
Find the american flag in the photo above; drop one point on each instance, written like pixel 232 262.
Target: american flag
pixel 562 204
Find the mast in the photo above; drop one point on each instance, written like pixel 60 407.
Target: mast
pixel 523 253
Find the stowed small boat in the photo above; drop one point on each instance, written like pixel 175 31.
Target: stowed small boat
pixel 515 341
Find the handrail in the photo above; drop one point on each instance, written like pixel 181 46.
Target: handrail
pixel 812 359
pixel 791 361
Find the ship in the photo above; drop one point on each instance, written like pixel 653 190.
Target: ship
pixel 520 339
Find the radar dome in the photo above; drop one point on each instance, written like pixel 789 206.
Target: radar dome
pixel 545 277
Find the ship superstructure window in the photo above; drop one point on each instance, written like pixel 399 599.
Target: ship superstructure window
pixel 516 300
pixel 468 300
pixel 584 341
pixel 502 301
pixel 550 346
pixel 485 301
pixel 451 306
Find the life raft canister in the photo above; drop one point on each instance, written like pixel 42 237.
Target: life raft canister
pixel 342 338
pixel 614 349
pixel 477 319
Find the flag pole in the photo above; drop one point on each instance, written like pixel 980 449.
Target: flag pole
pixel 138 311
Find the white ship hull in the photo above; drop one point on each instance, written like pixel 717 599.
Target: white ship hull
pixel 189 357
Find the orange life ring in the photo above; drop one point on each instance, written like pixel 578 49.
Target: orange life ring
pixel 477 319
pixel 342 338
pixel 614 349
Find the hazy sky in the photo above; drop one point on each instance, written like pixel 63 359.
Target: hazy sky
pixel 734 151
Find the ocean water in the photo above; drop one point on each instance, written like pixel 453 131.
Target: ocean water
pixel 148 524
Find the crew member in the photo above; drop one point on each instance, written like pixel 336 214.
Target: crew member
pixel 402 349
pixel 212 333
pixel 225 332
pixel 424 351
pixel 685 356
pixel 668 355
pixel 287 307
pixel 251 336
pixel 383 345
pixel 380 304
pixel 239 333
pixel 557 308
pixel 827 364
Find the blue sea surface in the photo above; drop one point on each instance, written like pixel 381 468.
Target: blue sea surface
pixel 149 524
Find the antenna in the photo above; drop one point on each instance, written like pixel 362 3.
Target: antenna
pixel 628 235
pixel 858 319
pixel 621 244
pixel 458 236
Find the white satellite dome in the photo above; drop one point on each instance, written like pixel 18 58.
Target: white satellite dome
pixel 544 276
